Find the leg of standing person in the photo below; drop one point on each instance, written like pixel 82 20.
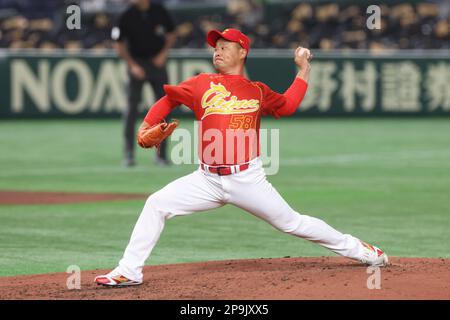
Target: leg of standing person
pixel 129 118
pixel 158 78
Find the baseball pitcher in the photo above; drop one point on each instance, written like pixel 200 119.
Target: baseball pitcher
pixel 230 106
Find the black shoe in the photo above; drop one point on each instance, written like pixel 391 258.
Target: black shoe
pixel 129 163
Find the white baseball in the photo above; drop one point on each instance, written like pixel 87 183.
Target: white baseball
pixel 302 50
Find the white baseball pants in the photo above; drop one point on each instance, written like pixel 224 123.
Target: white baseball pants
pixel 249 190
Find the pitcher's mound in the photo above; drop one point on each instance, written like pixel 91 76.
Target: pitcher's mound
pixel 285 278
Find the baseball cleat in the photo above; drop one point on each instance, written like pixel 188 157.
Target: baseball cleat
pixel 373 256
pixel 115 280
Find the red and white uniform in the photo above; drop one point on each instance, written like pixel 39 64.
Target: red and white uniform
pixel 224 102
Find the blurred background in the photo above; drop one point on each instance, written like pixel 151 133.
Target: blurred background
pixel 401 67
pixel 368 150
pixel 325 25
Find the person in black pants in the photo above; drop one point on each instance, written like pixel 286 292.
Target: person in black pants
pixel 143 37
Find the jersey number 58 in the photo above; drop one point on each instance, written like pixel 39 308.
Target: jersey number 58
pixel 241 121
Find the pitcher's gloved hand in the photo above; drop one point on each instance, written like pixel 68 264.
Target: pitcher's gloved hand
pixel 151 136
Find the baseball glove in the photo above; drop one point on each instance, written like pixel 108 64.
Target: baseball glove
pixel 151 136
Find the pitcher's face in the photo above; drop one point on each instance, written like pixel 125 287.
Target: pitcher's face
pixel 228 54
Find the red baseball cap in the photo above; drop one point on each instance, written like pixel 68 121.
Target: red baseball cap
pixel 230 34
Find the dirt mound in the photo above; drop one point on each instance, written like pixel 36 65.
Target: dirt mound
pixel 34 197
pixel 286 278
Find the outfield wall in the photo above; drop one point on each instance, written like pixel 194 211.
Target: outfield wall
pixel 42 85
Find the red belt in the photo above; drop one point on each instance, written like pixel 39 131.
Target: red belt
pixel 225 170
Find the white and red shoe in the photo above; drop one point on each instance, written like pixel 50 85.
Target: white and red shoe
pixel 114 279
pixel 373 256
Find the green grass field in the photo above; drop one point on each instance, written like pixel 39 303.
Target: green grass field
pixel 384 180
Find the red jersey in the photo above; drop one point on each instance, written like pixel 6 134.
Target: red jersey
pixel 229 108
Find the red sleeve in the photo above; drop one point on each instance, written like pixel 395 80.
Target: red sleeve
pixel 277 105
pixel 160 110
pixel 182 93
pixel 175 95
